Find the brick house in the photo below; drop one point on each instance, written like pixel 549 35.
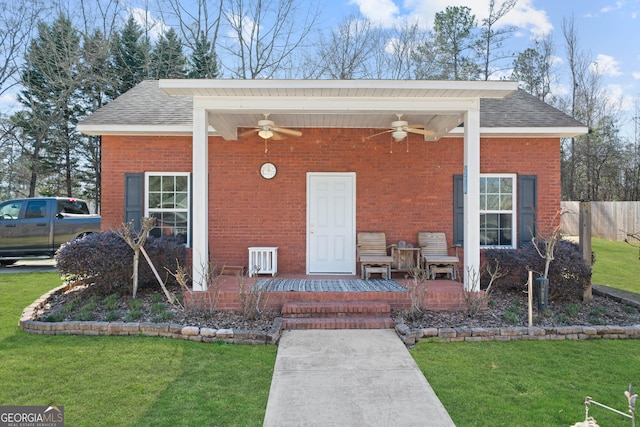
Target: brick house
pixel 486 171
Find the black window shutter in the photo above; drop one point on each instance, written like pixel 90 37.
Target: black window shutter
pixel 458 210
pixel 133 198
pixel 527 204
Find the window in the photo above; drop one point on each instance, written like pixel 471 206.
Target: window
pixel 497 211
pixel 167 199
pixel 523 212
pixel 72 206
pixel 36 209
pixel 10 210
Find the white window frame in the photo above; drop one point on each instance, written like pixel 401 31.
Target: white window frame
pixel 148 211
pixel 513 211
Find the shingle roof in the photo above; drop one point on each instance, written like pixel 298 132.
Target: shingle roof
pixel 148 105
pixel 522 109
pixel 145 104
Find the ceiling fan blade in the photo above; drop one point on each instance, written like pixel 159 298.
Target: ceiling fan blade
pixel 416 126
pixel 379 133
pixel 249 132
pixel 287 131
pixel 420 131
pixel 276 136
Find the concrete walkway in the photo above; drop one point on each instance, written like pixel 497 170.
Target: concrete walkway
pixel 349 378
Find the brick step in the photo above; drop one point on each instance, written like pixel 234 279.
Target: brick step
pixel 336 309
pixel 338 323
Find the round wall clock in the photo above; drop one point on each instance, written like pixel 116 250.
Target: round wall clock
pixel 268 170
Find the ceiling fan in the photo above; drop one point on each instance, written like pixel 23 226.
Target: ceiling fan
pixel 400 128
pixel 267 129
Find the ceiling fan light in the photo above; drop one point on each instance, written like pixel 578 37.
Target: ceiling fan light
pixel 265 133
pixel 399 135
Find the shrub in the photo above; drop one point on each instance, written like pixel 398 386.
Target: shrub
pixel 112 316
pixel 135 304
pixel 107 260
pixel 569 275
pixel 134 315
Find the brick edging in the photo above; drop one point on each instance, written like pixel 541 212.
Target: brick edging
pixel 467 334
pixel 409 336
pixel 168 330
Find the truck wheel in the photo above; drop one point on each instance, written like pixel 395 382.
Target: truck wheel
pixel 8 261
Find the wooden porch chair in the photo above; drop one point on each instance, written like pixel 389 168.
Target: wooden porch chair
pixel 372 255
pixel 435 254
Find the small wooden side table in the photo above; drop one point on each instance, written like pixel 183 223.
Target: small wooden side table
pixel 405 259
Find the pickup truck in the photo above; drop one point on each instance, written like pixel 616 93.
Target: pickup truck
pixel 37 227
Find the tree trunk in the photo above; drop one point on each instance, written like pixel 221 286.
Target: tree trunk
pixel 136 259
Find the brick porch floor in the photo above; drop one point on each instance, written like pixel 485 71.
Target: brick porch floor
pixel 442 294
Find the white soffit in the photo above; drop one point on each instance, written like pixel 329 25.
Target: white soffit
pixel 234 104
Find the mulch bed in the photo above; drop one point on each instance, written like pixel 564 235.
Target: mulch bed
pixel 504 309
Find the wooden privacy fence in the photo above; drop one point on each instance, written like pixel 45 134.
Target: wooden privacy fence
pixel 609 220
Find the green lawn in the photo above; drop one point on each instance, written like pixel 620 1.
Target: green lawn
pixel 127 381
pixel 617 265
pixel 146 381
pixel 531 383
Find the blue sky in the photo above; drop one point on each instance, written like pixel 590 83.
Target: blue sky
pixel 608 32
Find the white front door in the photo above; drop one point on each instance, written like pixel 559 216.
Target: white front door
pixel 331 222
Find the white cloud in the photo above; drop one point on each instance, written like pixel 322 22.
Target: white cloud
pixel 247 24
pixel 606 65
pixel 154 27
pixel 8 103
pixel 611 8
pixel 525 15
pixel 383 12
pixel 636 75
pixel 620 98
pixel 556 60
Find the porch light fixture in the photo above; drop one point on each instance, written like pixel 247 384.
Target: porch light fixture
pixel 265 133
pixel 399 135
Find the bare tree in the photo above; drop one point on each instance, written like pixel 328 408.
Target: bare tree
pixel 18 19
pixel 347 53
pixel 195 21
pixel 592 164
pixel 400 48
pixel 424 59
pixel 491 39
pixel 577 65
pixel 264 35
pixel 98 15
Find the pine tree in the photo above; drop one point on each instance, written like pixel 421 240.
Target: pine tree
pixel 51 100
pixel 455 42
pixel 130 57
pixel 203 61
pixel 167 59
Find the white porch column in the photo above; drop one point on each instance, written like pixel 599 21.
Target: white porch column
pixel 472 196
pixel 200 199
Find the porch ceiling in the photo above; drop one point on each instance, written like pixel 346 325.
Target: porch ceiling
pixel 439 106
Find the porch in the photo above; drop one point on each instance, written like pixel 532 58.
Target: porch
pixel 327 291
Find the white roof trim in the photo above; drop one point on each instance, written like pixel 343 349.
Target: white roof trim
pixel 340 88
pixel 159 130
pixel 138 130
pixel 559 132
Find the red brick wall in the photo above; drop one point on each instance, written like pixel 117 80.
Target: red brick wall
pixel 128 154
pixel 398 192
